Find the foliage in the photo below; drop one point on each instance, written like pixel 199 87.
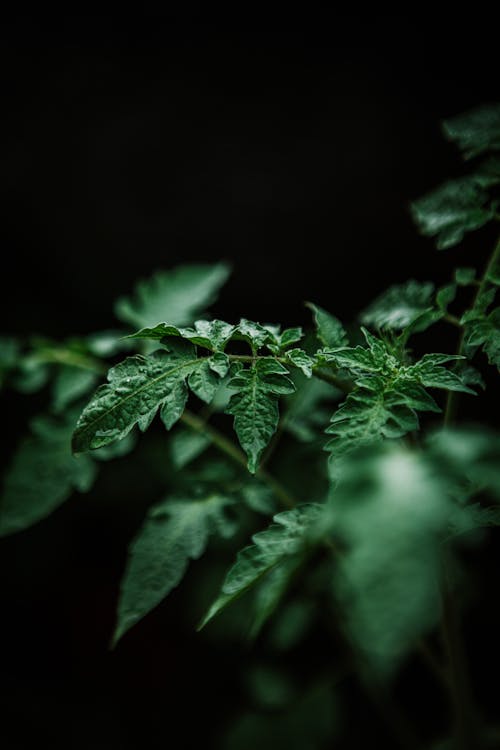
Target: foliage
pixel 341 489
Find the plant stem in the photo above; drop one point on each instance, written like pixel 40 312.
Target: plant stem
pixel 232 451
pixel 458 683
pixel 453 396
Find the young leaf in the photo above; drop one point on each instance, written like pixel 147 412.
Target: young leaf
pixel 475 131
pixel 300 359
pixel 429 373
pixel 329 329
pixel 400 305
pixel 175 531
pixel 255 407
pixel 286 538
pixel 457 207
pixel 390 513
pixel 178 295
pixel 43 474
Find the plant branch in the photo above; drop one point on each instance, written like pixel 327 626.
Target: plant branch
pixel 453 396
pixel 232 451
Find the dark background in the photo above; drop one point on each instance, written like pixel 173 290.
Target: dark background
pixel 288 142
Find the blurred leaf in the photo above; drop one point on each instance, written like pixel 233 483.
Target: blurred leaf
pixel 175 531
pixel 285 538
pixel 452 210
pixel 186 445
pixel 70 384
pixel 390 512
pixel 400 305
pixel 43 474
pixel 475 131
pixel 176 296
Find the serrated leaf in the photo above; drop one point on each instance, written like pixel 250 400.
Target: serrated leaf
pixel 177 295
pixel 211 334
pixel 400 305
pixel 255 406
pixel 254 333
pixel 137 388
pixel 329 329
pixel 475 131
pixel 300 359
pixel 452 210
pixel 43 474
pixel 429 373
pixel 175 532
pixel 485 332
pixel 286 538
pixel 70 384
pixel 281 341
pixel 390 512
pixel 368 416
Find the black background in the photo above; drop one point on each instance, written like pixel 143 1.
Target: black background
pixel 288 142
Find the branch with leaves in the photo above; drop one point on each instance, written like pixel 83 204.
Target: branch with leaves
pixel 337 446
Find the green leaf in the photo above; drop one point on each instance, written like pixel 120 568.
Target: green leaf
pixel 43 474
pixel 400 305
pixel 307 412
pixel 70 384
pixel 255 406
pixel 452 210
pixel 390 513
pixel 186 445
pixel 429 373
pixel 368 416
pixel 329 329
pixel 485 332
pixel 137 388
pixel 300 359
pixel 475 131
pixel 445 296
pixel 465 276
pixel 177 295
pixel 281 341
pixel 175 531
pixel 286 538
pixel 211 334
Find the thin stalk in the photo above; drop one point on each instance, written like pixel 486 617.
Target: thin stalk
pixel 460 695
pixel 234 453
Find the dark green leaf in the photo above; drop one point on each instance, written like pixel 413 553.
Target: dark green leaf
pixel 329 329
pixel 475 131
pixel 137 387
pixel 457 207
pixel 255 406
pixel 43 474
pixel 70 384
pixel 400 305
pixel 390 512
pixel 177 295
pixel 285 539
pixel 174 532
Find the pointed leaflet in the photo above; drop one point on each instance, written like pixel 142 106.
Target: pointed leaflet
pixel 329 329
pixel 177 295
pixel 43 474
pixel 475 131
pixel 175 531
pixel 457 207
pixel 400 305
pixel 255 406
pixel 137 387
pixel 286 538
pixel 212 334
pixel 390 513
pixel 484 331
